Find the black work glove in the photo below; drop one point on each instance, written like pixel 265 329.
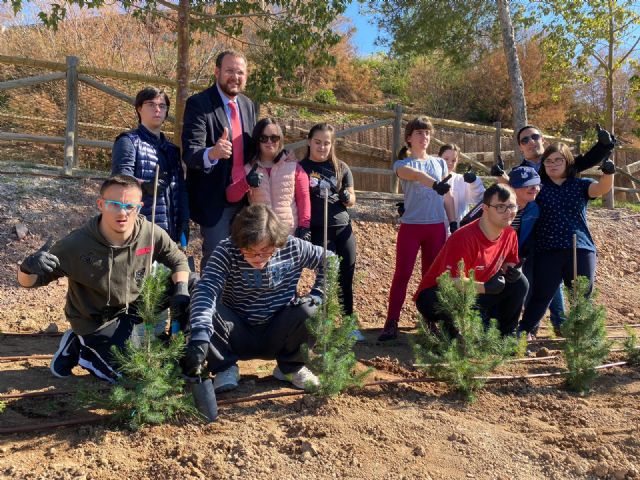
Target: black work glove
pixel 608 167
pixel 179 304
pixel 303 233
pixel 497 170
pixel 310 299
pixel 254 178
pixel 194 357
pixel 163 183
pixel 469 176
pixel 495 284
pixel 453 226
pixel 400 206
pixel 40 262
pixel 344 195
pixel 604 137
pixel 512 274
pixel 442 187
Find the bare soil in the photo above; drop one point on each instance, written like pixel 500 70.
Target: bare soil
pixel 524 429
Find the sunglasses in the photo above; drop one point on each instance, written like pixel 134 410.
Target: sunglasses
pixel 115 206
pixel 534 136
pixel 269 138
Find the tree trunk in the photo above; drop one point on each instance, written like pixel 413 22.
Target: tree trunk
pixel 518 102
pixel 610 118
pixel 182 68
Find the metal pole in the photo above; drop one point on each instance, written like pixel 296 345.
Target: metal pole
pixel 153 216
pixel 70 141
pixel 397 144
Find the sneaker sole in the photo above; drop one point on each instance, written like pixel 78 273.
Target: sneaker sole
pixel 61 347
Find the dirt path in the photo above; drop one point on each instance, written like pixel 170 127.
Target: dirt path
pixel 516 430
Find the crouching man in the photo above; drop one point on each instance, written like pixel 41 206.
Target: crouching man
pixel 105 262
pixel 489 246
pixel 245 305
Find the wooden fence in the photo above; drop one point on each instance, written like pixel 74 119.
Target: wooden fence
pixel 369 144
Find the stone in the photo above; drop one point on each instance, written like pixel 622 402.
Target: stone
pixel 620 473
pixel 543 352
pixel 419 451
pixel 52 328
pixel 600 470
pixel 21 231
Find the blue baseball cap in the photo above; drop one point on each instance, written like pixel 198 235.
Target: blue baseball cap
pixel 523 177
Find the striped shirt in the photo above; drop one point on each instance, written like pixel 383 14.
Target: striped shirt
pixel 255 295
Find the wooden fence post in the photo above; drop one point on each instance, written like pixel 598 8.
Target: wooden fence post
pixel 497 144
pixel 578 147
pixel 397 142
pixel 70 140
pixel 256 106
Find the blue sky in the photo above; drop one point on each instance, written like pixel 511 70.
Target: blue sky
pixel 365 34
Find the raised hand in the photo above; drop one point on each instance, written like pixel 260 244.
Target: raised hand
pixel 223 147
pixel 604 137
pixel 40 262
pixel 469 176
pixel 497 170
pixel 608 167
pixel 254 179
pixel 442 187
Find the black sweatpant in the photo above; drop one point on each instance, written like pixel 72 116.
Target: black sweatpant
pixel 342 242
pixel 505 307
pixel 279 339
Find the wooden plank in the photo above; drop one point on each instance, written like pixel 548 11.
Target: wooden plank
pixel 29 81
pixel 24 137
pixel 342 133
pixel 396 145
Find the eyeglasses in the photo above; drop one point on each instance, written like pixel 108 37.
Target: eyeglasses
pixel 252 254
pixel 503 207
pixel 269 138
pixel 153 105
pixel 553 161
pixel 115 207
pixel 534 136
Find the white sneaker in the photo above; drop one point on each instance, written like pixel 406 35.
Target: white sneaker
pixel 226 380
pixel 358 336
pixel 304 379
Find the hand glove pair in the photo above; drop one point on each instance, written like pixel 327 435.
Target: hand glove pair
pixel 40 262
pixel 496 284
pixel 442 187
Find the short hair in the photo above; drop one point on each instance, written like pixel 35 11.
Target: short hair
pixel 523 129
pixel 150 93
pixel 503 191
pixel 418 123
pixel 255 138
pixel 448 146
pixel 231 53
pixel 256 223
pixel 120 180
pixel 564 150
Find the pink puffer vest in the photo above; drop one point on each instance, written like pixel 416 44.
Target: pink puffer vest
pixel 278 191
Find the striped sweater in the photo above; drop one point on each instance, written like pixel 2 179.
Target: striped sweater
pixel 255 295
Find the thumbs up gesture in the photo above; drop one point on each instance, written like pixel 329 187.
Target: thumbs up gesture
pixel 41 262
pixel 222 148
pixel 253 177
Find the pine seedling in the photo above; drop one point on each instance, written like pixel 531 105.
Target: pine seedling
pixel 586 344
pixel 631 348
pixel 150 388
pixel 332 357
pixel 474 351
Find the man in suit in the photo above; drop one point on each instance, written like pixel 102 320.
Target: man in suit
pixel 216 138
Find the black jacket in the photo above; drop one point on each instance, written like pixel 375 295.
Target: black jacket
pixel 204 122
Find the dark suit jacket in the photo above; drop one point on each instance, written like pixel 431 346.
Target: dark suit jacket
pixel 204 122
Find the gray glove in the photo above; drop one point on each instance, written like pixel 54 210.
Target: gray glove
pixel 40 262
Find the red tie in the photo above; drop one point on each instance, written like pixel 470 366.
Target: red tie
pixel 237 170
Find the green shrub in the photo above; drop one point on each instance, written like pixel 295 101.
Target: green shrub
pixel 326 96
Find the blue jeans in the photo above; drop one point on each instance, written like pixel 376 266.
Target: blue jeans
pixel 556 307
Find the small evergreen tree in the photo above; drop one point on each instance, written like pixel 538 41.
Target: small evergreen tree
pixel 586 344
pixel 631 348
pixel 332 357
pixel 150 389
pixel 474 351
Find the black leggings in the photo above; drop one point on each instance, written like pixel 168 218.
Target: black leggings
pixel 342 242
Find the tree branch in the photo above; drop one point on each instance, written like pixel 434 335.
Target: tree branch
pixel 624 57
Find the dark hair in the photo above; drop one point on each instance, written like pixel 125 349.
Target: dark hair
pixel 448 146
pixel 564 150
pixel 325 127
pixel 256 223
pixel 418 123
pixel 503 191
pixel 150 93
pixel 523 129
pixel 122 181
pixel 231 53
pixel 254 154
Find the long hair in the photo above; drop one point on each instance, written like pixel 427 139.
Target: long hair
pixel 325 127
pixel 254 153
pixel 564 150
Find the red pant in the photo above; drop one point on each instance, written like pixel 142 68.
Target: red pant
pixel 429 239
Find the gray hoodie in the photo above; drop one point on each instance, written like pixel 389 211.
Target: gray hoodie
pixel 105 280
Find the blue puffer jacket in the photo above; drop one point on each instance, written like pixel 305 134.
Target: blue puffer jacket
pixel 136 153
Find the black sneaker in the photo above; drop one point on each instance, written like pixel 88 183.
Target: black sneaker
pixel 67 355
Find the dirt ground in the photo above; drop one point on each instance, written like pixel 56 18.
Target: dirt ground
pixel 524 429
